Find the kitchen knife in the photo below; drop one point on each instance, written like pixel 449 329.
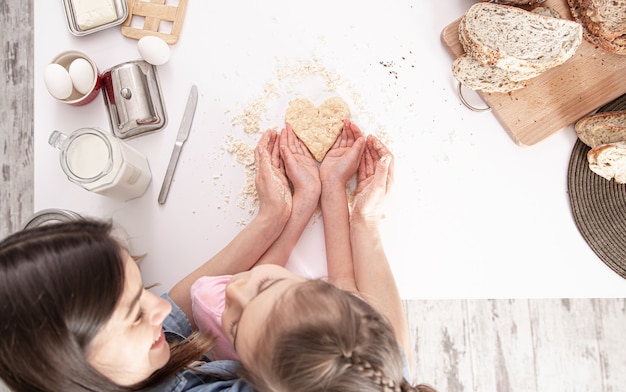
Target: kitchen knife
pixel 183 133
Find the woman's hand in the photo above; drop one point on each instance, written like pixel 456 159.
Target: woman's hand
pixel 374 180
pixel 271 183
pixel 342 160
pixel 300 165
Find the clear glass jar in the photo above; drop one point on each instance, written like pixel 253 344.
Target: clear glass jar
pixel 101 163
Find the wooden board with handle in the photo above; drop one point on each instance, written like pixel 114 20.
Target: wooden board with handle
pixel 558 97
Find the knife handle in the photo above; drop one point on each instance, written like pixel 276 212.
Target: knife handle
pixel 169 174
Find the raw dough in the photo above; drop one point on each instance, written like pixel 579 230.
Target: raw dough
pixel 317 127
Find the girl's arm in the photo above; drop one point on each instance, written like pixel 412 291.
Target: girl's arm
pixel 339 164
pixel 374 278
pixel 252 242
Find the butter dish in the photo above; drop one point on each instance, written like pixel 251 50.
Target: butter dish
pixel 89 16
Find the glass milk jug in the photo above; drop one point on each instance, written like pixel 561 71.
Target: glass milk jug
pixel 101 163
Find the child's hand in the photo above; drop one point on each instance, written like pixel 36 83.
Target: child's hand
pixel 342 160
pixel 374 180
pixel 300 165
pixel 271 183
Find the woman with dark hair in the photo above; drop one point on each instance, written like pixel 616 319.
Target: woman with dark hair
pixel 76 315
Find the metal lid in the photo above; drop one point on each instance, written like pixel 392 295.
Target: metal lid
pixel 133 99
pixel 51 216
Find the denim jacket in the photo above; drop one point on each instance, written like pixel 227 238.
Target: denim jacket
pixel 177 326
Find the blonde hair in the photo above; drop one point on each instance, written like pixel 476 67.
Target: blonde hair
pixel 321 338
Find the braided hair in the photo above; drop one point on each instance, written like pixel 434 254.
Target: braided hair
pixel 321 338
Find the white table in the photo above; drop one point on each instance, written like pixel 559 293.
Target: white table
pixel 472 215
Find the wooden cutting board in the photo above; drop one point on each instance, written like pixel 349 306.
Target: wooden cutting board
pixel 558 97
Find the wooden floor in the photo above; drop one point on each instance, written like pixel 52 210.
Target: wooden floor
pixel 551 345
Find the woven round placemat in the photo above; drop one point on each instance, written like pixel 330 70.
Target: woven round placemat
pixel 599 205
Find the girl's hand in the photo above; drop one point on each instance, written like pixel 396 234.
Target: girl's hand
pixel 342 160
pixel 374 180
pixel 270 180
pixel 300 165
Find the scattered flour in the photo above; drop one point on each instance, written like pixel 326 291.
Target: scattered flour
pixel 290 79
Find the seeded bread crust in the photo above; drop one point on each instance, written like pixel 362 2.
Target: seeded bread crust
pixel 609 161
pixel 602 128
pixel 517 40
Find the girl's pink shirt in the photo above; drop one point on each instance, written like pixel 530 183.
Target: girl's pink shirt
pixel 207 298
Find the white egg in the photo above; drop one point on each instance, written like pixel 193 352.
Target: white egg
pixel 82 74
pixel 153 50
pixel 58 81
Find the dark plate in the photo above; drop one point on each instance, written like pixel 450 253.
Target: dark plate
pixel 599 205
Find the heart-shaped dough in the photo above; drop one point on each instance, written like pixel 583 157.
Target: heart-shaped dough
pixel 317 127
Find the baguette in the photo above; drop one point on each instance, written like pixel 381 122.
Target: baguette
pixel 609 161
pixel 602 128
pixel 517 40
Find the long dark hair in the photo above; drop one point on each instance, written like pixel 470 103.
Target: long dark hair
pixel 59 284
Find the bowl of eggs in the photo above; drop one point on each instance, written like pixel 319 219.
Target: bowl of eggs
pixel 72 77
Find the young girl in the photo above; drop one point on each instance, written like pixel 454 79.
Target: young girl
pixel 309 335
pixel 289 156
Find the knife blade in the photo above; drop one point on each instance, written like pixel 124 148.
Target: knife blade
pixel 181 137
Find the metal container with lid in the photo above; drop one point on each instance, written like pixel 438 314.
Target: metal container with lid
pixel 133 98
pixel 50 216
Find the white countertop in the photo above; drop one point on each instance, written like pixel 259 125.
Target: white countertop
pixel 472 215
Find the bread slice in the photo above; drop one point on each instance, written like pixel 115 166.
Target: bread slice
pixel 517 40
pixel 604 18
pixel 602 128
pixel 547 11
pixel 476 76
pixel 617 45
pixel 516 2
pixel 609 161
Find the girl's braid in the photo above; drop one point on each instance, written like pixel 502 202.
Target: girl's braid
pixel 365 369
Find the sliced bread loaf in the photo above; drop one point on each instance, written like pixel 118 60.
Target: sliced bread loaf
pixel 609 161
pixel 517 40
pixel 602 128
